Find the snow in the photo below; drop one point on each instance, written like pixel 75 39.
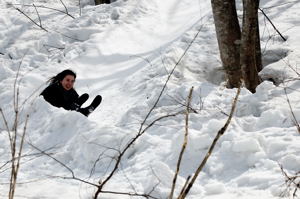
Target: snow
pixel 125 51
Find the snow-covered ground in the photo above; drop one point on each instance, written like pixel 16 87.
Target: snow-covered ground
pixel 125 51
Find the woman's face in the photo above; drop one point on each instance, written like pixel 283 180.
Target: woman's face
pixel 68 82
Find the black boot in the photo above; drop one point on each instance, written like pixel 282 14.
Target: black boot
pixel 88 110
pixel 78 103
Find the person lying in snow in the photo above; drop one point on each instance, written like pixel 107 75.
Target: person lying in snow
pixel 60 93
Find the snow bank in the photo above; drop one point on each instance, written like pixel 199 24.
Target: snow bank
pixel 125 52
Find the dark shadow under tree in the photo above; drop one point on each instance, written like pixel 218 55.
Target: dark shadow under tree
pixel 98 2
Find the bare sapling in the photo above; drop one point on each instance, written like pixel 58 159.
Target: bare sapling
pixel 15 139
pixel 184 143
pixel 187 188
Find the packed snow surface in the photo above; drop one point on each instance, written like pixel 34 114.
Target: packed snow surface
pixel 125 51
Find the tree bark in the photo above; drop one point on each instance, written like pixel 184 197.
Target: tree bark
pixel 250 45
pixel 229 36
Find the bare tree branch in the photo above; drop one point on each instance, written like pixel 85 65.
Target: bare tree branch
pixel 119 158
pixel 63 165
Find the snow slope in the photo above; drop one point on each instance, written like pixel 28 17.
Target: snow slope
pixel 125 52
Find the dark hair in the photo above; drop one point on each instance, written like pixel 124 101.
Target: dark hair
pixel 60 76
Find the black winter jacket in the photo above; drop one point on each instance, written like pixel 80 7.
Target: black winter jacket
pixel 57 96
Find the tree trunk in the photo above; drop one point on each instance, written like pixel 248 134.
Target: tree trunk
pixel 98 2
pixel 229 36
pixel 258 48
pixel 250 45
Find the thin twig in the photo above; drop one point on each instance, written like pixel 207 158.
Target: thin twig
pixel 73 178
pixel 15 97
pixel 145 59
pixel 289 65
pixel 66 9
pixel 159 181
pixel 34 92
pixel 100 156
pixel 295 121
pixel 31 19
pixel 41 6
pixel 178 101
pixel 129 194
pixel 284 39
pixel 38 15
pixel 127 178
pixel 55 159
pixel 63 165
pixel 23 156
pixel 278 5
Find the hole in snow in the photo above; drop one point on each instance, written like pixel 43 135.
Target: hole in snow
pixel 272 56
